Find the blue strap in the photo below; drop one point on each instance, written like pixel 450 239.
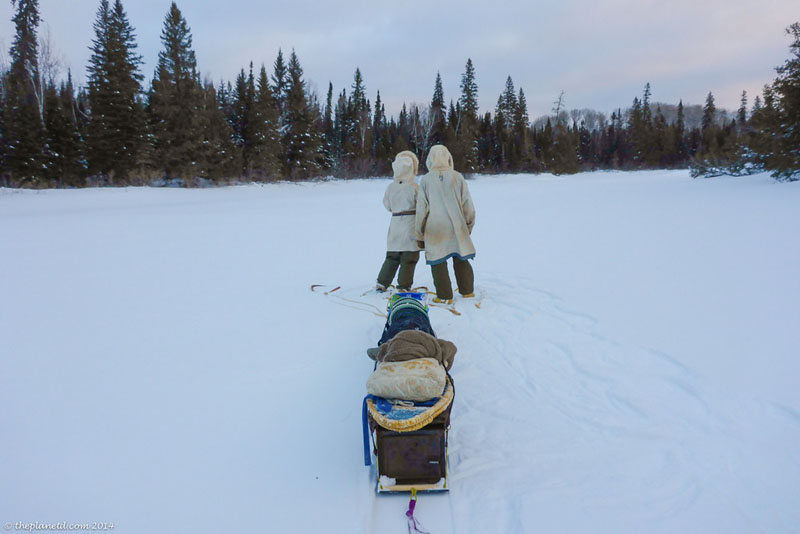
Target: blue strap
pixel 365 429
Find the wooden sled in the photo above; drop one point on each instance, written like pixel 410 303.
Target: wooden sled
pixel 412 456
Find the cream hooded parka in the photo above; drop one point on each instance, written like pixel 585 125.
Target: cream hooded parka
pixel 445 213
pixel 401 199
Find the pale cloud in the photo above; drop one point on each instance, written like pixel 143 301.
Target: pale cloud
pixel 600 53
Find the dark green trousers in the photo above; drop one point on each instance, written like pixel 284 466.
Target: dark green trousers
pixel 406 261
pixel 465 278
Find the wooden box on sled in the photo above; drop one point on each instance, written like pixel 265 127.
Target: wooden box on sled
pixel 416 459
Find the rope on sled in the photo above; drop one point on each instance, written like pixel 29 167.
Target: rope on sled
pixel 413 523
pixel 346 302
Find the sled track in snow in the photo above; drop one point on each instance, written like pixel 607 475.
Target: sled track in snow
pixel 534 372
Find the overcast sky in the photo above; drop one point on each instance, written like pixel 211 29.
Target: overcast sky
pixel 601 53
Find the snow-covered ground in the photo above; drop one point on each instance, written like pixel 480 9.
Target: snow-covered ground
pixel 633 368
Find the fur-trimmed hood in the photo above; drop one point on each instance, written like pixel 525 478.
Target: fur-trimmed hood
pixel 439 159
pixel 405 167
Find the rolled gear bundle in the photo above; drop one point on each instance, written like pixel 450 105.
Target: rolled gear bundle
pixel 413 344
pixel 417 380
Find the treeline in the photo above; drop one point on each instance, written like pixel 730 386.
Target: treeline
pixel 268 125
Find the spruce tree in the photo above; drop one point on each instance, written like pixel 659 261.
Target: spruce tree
pixel 265 154
pixel 679 133
pixel 741 114
pixel 647 114
pixel 377 125
pixel 521 134
pixel 176 100
pixel 469 93
pixel 453 115
pixel 499 160
pixel 116 126
pixel 467 125
pixel 786 162
pixel 241 102
pixel 360 115
pixel 485 143
pixel 24 103
pixel 564 151
pixel 280 82
pixel 437 111
pixel 709 112
pixel 506 111
pixel 64 137
pixel 340 121
pixel 659 139
pixel 708 127
pixel 721 151
pixel 4 178
pixel 249 127
pixel 381 138
pixel 507 103
pixel 765 122
pixel 301 141
pixel 220 158
pixel 328 116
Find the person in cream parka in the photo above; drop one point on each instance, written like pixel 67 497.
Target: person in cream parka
pixel 444 221
pixel 401 244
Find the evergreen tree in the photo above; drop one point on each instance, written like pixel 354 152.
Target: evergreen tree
pixel 225 101
pixel 360 116
pixel 381 138
pixel 280 82
pixel 469 93
pixel 586 156
pixel 523 153
pixel 328 118
pixel 115 132
pixel 340 122
pixel 545 144
pixel 708 127
pixel 467 126
pixel 301 142
pixel 453 116
pixel 176 101
pixel 679 137
pixel 265 149
pixel 756 104
pixel 24 150
pixel 437 111
pixel 247 103
pixel 659 139
pixel 64 138
pixel 499 159
pixel 765 121
pixel 720 152
pixel 641 135
pixel 4 181
pixel 505 112
pixel 403 137
pixel 564 151
pixel 241 102
pixel 786 161
pixel 507 103
pixel 220 157
pixel 709 112
pixel 647 114
pixel 741 114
